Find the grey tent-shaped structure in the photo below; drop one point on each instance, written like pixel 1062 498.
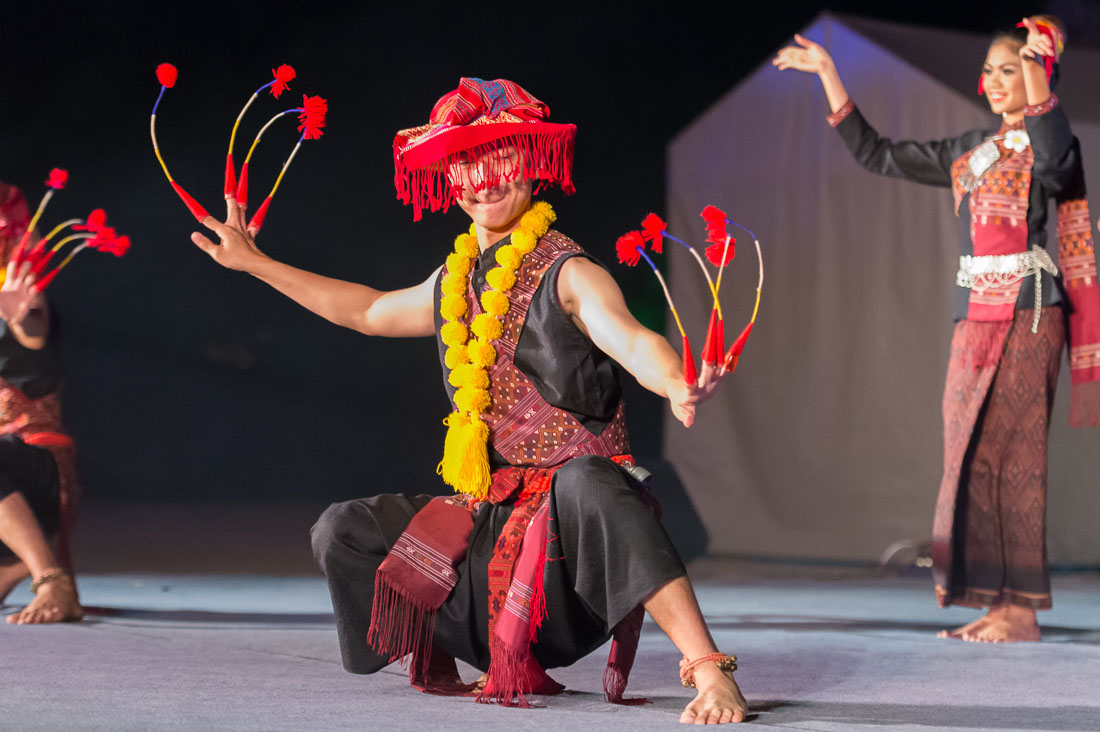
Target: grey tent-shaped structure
pixel 827 442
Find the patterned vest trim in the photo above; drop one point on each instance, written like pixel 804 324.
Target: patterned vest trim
pixel 523 427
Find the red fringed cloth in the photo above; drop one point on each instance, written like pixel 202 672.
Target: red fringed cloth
pixel 1078 264
pixel 473 120
pixel 419 573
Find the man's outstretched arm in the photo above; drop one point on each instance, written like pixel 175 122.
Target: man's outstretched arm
pixel 396 314
pixel 593 299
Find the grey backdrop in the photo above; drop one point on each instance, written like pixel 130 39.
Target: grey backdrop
pixel 827 443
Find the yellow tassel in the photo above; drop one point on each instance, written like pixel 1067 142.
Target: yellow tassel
pixel 465 464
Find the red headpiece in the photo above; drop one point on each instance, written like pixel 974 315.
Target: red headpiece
pixel 14 217
pixel 474 119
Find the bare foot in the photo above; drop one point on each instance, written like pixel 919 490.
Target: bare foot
pixel 12 572
pixel 963 631
pixel 1007 624
pixel 55 602
pixel 718 700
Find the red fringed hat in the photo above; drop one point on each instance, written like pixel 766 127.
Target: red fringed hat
pixel 14 217
pixel 474 119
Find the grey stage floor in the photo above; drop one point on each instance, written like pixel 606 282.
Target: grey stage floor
pixel 820 649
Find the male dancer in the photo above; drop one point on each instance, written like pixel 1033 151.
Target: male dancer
pixel 550 546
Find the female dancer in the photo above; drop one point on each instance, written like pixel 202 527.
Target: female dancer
pixel 989 536
pixel 37 480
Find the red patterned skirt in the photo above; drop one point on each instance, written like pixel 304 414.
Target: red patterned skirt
pixel 989 535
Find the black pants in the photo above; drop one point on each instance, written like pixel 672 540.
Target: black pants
pixel 609 554
pixel 30 470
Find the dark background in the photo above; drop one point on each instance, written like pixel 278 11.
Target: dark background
pixel 190 382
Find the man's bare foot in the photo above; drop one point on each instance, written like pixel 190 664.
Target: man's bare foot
pixel 12 572
pixel 55 602
pixel 963 631
pixel 1007 624
pixel 718 700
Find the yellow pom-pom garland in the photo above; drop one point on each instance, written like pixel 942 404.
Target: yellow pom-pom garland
pixel 470 355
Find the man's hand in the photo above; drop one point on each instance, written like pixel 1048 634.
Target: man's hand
pixel 684 397
pixel 237 249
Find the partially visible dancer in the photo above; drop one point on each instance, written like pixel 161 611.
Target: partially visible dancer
pixel 37 459
pixel 989 535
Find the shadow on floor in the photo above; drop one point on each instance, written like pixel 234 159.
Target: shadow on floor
pixel 1068 719
pixel 840 625
pixel 206 616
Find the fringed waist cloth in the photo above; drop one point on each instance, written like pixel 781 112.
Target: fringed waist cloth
pixel 419 573
pixel 989 534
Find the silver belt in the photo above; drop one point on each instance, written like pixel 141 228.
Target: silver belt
pixel 1001 270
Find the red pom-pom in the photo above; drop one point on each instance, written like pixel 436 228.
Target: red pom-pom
pixel 58 178
pixel 121 246
pixel 653 229
pixel 104 239
pixel 312 117
pixel 691 374
pixel 715 252
pixel 97 219
pixel 166 75
pixel 629 247
pixel 283 76
pixel 715 219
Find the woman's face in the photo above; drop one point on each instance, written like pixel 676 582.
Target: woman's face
pixel 1003 80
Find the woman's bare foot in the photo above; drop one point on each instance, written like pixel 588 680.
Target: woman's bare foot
pixel 718 700
pixel 962 632
pixel 12 572
pixel 1007 624
pixel 55 602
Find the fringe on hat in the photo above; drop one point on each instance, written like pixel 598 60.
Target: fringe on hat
pixel 547 159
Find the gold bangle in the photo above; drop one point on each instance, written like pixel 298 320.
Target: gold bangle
pixel 50 575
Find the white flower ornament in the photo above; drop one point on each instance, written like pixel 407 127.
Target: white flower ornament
pixel 1017 140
